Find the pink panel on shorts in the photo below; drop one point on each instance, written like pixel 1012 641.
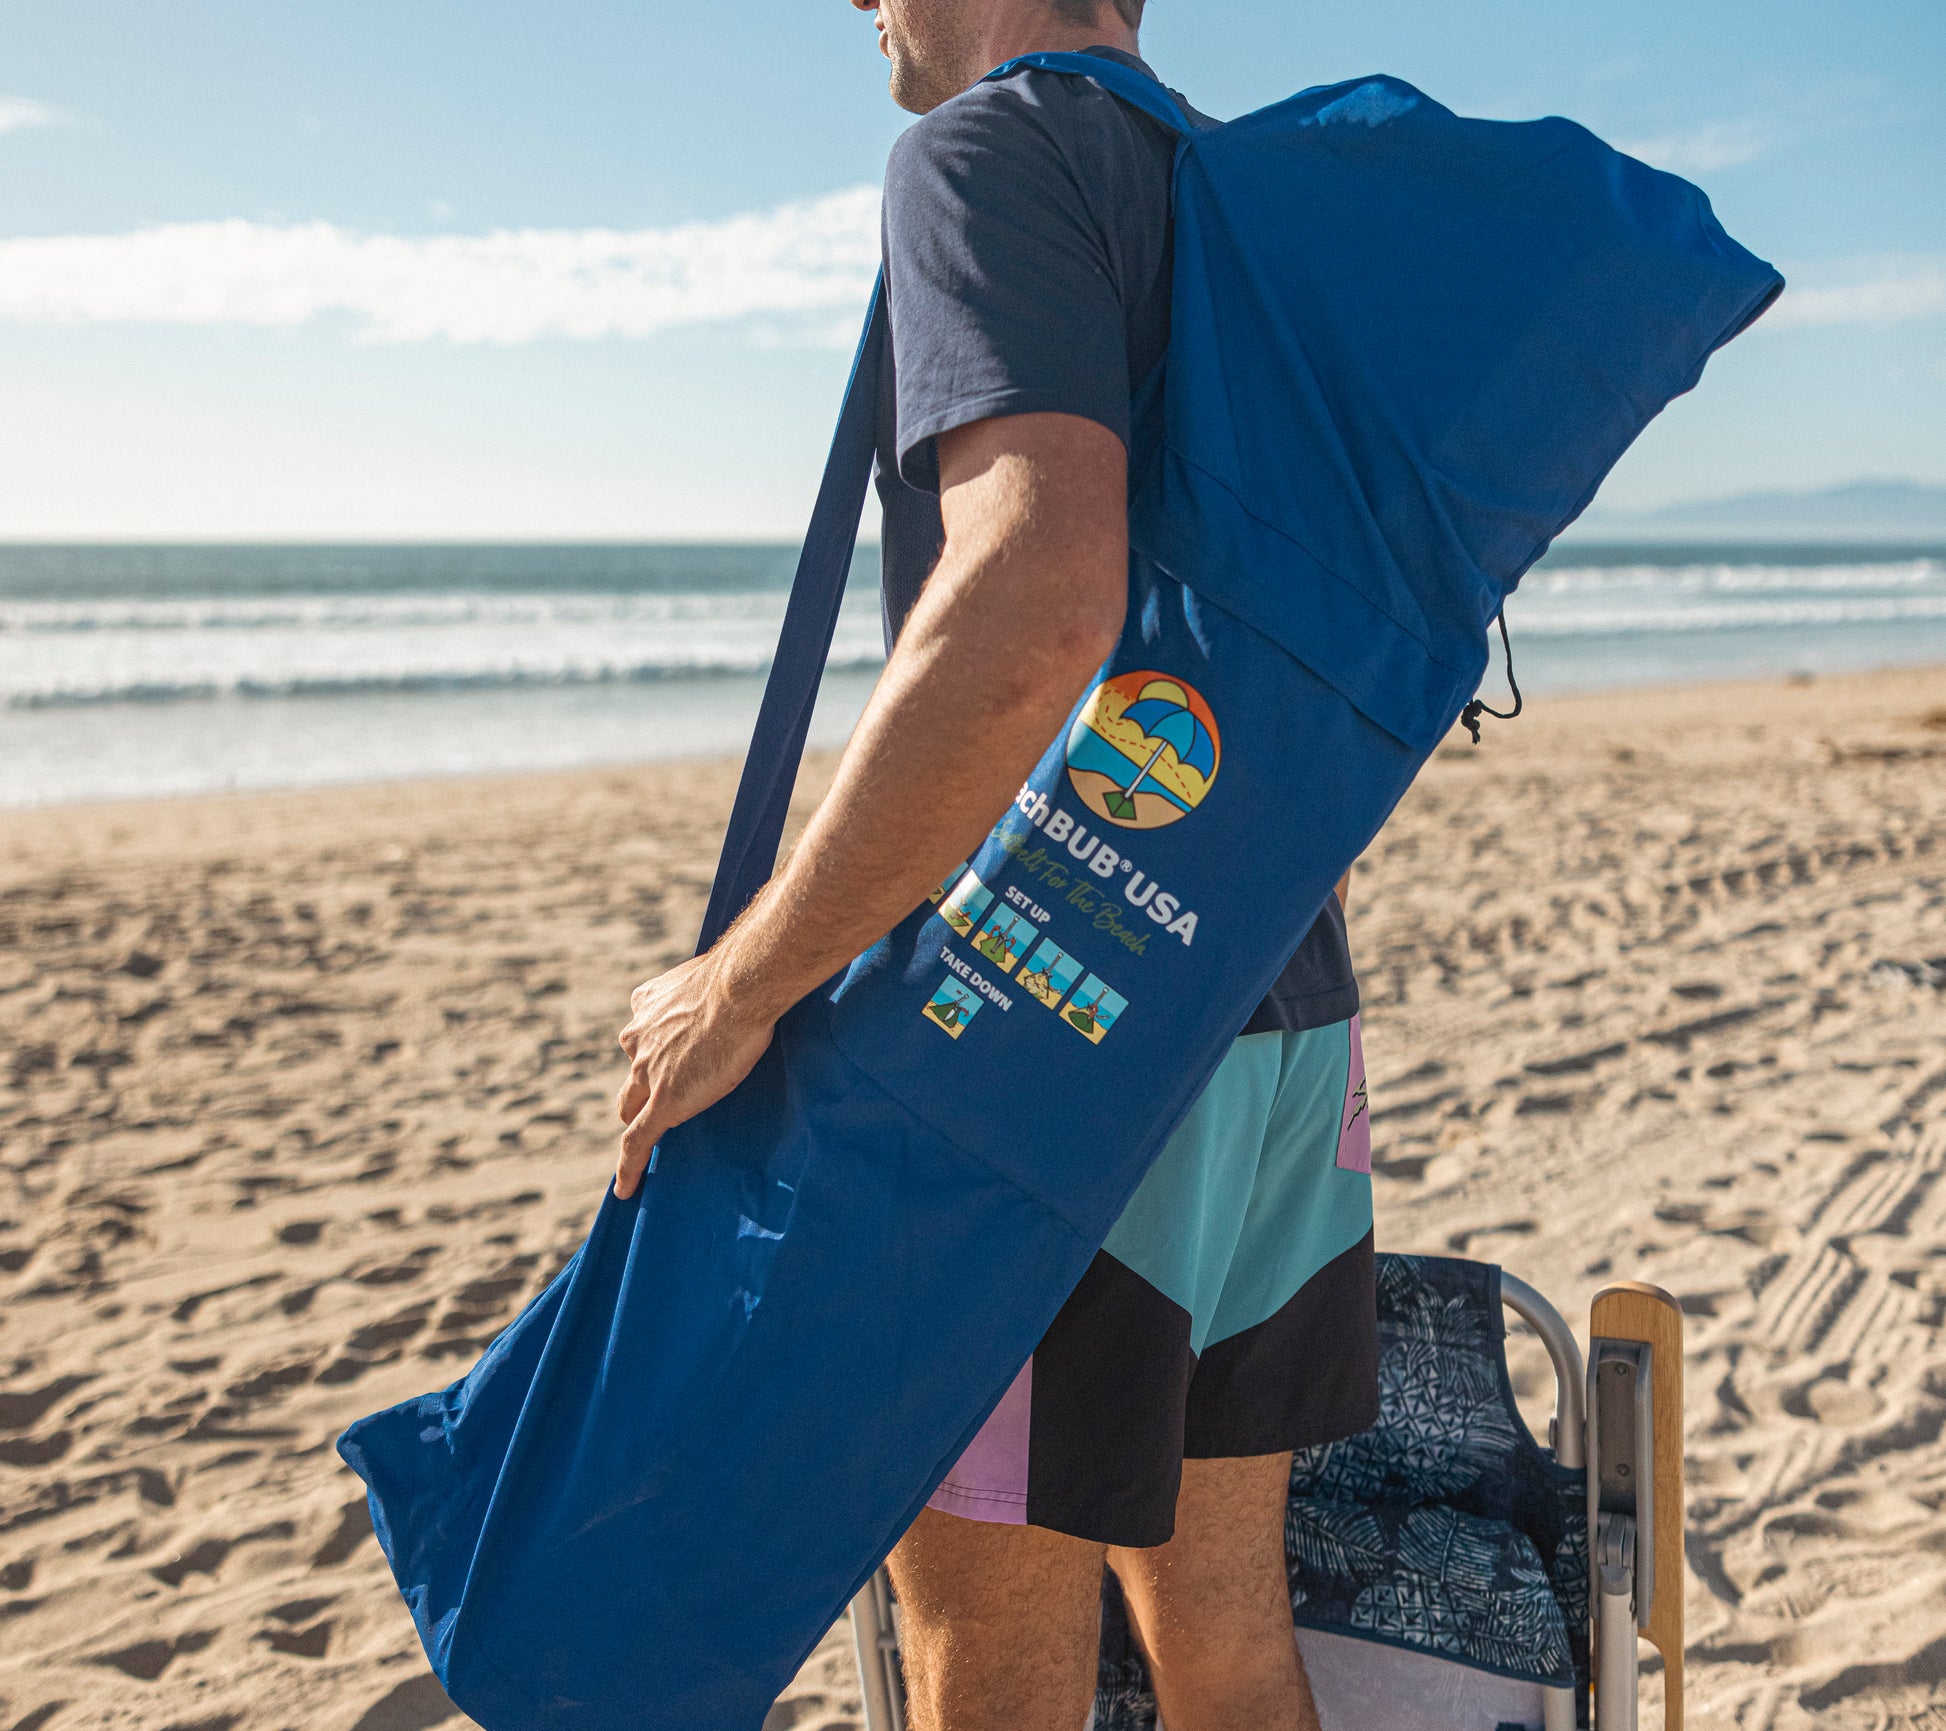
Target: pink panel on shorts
pixel 1355 1127
pixel 989 1481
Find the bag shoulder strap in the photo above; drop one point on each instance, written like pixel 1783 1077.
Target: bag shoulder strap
pixel 790 693
pixel 817 591
pixel 1137 89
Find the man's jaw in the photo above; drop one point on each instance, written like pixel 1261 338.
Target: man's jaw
pixel 923 56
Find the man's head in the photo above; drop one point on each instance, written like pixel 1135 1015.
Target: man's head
pixel 939 47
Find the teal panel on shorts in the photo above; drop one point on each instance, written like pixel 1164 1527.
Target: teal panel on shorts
pixel 1246 1202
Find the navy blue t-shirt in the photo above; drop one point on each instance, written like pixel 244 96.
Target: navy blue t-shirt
pixel 1027 242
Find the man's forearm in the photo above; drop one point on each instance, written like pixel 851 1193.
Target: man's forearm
pixel 1025 605
pixel 1015 621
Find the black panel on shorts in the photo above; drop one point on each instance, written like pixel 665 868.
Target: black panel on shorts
pixel 1105 1445
pixel 1306 1375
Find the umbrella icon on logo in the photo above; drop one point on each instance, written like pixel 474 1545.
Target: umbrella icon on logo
pixel 1144 750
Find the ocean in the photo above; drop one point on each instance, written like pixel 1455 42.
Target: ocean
pixel 132 671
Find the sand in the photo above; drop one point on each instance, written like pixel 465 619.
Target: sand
pixel 307 1093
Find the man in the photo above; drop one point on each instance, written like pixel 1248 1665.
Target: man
pixel 1230 1317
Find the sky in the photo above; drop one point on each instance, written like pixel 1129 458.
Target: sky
pixel 593 269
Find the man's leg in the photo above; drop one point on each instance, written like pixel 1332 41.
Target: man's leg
pixel 1000 1625
pixel 1212 1607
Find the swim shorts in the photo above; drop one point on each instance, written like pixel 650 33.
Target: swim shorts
pixel 1232 1310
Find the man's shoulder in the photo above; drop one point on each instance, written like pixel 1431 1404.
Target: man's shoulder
pixel 1031 115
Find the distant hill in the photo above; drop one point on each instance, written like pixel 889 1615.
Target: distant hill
pixel 1859 510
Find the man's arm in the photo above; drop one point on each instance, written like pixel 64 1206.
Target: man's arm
pixel 1025 604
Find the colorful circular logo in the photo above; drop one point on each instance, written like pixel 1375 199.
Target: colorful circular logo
pixel 1144 750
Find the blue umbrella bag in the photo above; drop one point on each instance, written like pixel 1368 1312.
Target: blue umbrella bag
pixel 660 1485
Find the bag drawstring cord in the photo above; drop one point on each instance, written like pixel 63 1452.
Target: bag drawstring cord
pixel 1470 715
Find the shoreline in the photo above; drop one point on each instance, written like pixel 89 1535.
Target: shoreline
pixel 308 1091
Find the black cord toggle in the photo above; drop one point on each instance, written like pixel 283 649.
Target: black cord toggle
pixel 1470 715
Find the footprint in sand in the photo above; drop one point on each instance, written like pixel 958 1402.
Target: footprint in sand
pixel 1830 1400
pixel 1460 1243
pixel 353 1529
pixel 376 1343
pixel 478 1308
pixel 147 1660
pixel 208 1555
pixel 307 1643
pixel 22 1410
pixel 414 1705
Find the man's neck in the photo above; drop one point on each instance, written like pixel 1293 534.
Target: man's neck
pixel 1019 27
pixel 936 55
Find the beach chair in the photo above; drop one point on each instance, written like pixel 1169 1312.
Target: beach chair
pixel 1441 1575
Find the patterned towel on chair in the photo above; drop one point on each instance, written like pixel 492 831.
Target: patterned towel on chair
pixel 1433 1578
pixel 1477 1525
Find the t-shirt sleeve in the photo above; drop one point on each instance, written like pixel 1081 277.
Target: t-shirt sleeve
pixel 1003 295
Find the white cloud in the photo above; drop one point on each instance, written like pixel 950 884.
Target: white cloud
pixel 1704 149
pixel 800 263
pixel 1872 291
pixel 18 113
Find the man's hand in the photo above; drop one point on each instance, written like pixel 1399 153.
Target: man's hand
pixel 690 1041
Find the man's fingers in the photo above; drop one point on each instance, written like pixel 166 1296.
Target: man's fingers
pixel 637 1026
pixel 633 1097
pixel 638 1143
